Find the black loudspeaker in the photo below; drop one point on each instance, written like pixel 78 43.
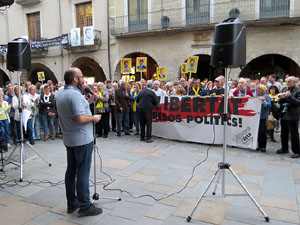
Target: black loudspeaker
pixel 6 2
pixel 229 45
pixel 18 55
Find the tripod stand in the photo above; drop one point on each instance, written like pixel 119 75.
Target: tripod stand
pixel 96 195
pixel 21 142
pixel 222 166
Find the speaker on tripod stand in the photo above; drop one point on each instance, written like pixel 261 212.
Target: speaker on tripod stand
pixel 19 59
pixel 228 51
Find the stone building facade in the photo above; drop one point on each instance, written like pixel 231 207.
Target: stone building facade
pixel 170 31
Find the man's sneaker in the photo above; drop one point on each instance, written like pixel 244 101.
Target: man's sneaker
pixel 281 151
pixel 72 208
pixel 9 146
pixel 91 211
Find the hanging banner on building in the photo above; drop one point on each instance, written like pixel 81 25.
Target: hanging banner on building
pixel 199 120
pixel 3 49
pixel 192 64
pixel 126 65
pixel 61 40
pixel 88 33
pixel 141 64
pixel 161 73
pixel 184 68
pixel 41 76
pixel 75 37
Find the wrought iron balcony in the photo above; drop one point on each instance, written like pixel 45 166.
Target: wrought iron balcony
pixel 27 2
pixel 85 48
pixel 206 15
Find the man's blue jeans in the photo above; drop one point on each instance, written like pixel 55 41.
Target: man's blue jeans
pixel 5 130
pixel 123 116
pixel 79 160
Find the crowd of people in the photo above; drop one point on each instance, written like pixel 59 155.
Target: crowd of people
pixel 118 104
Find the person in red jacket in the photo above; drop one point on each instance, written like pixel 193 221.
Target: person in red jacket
pixel 242 90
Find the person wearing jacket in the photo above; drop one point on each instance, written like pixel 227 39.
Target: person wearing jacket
pixel 146 100
pixel 47 112
pixel 264 112
pixel 102 108
pixel 135 114
pixel 290 100
pixel 122 96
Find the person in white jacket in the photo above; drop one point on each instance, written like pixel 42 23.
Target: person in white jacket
pixel 26 105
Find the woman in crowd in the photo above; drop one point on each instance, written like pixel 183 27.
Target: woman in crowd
pixel 47 112
pixel 264 112
pixel 34 97
pixel 273 90
pixel 180 91
pixel 4 118
pixel 135 113
pixel 15 105
pixel 102 108
pixel 27 106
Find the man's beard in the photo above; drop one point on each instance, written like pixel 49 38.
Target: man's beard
pixel 79 86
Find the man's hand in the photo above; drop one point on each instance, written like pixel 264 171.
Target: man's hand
pixel 121 109
pixel 96 118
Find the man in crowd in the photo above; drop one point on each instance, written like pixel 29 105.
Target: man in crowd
pixel 76 122
pixel 157 90
pixel 253 88
pixel 273 82
pixel 219 90
pixel 122 96
pixel 290 99
pixel 146 100
pixel 242 90
pixel 196 90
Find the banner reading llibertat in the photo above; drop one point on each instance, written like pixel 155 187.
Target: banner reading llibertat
pixel 200 119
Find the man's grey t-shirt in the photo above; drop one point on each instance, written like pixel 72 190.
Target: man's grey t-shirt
pixel 71 103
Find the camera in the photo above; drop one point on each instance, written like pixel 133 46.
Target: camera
pixel 285 108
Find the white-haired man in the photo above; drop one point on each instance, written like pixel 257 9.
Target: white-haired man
pixel 242 90
pixel 158 91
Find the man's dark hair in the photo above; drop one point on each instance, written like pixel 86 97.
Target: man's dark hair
pixel 69 76
pixel 273 76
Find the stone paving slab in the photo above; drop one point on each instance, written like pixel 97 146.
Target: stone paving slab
pixel 160 168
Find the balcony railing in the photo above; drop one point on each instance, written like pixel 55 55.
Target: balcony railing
pixel 85 48
pixel 203 15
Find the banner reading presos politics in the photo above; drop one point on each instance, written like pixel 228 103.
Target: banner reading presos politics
pixel 199 119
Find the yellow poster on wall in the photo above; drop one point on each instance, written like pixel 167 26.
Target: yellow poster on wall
pixel 41 76
pixel 184 68
pixel 192 64
pixel 125 65
pixel 141 64
pixel 161 73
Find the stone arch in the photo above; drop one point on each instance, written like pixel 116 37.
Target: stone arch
pixel 90 68
pixel 152 63
pixel 3 78
pixel 266 64
pixel 39 67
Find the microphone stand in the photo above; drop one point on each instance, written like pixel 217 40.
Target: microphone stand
pixel 96 195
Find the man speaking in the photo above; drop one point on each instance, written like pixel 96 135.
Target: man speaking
pixel 76 122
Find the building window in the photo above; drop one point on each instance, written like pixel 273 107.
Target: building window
pixel 34 26
pixel 137 15
pixel 274 8
pixel 197 11
pixel 84 14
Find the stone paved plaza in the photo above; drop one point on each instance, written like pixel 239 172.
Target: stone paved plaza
pixel 159 169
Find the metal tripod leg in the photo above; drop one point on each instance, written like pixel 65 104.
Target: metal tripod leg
pixel 9 157
pixel 267 218
pixel 39 154
pixel 188 219
pixel 217 183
